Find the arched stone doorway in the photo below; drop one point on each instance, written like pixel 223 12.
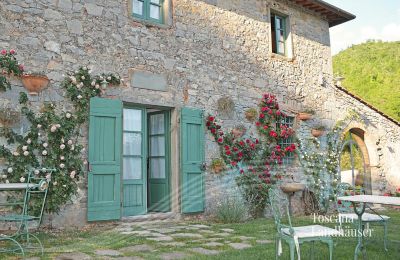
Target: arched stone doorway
pixel 355 161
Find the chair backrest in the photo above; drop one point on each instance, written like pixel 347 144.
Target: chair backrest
pixel 346 189
pixel 280 210
pixel 38 185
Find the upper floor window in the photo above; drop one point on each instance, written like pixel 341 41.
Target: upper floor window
pixel 149 10
pixel 279 34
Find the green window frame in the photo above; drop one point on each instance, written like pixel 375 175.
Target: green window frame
pixel 143 9
pixel 289 122
pixel 279 34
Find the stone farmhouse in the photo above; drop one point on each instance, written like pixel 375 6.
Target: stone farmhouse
pixel 178 58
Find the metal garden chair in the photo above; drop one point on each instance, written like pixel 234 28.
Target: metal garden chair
pixel 294 236
pixel 37 185
pixel 346 210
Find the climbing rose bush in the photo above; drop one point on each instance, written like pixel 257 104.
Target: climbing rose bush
pixel 9 65
pixel 257 160
pixel 53 139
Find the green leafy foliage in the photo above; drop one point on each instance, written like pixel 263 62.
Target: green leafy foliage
pixel 371 71
pixel 9 66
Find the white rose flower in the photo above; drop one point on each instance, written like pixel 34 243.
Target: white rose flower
pixel 68 115
pixel 70 142
pixel 72 174
pixel 4 176
pixel 84 68
pixel 22 179
pixel 29 141
pixel 64 185
pixel 62 166
pixel 101 78
pixel 72 147
pixel 83 77
pixel 108 78
pixel 79 97
pixel 93 83
pixel 58 125
pixel 97 86
pixel 62 158
pixel 44 152
pixel 39 126
pixel 53 129
pixel 45 145
pixel 84 162
pixel 10 170
pixel 16 153
pixel 55 183
pixel 7 181
pixel 62 146
pixel 24 148
pixel 26 153
pixel 37 172
pixel 48 176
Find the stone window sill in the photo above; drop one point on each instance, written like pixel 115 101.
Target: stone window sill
pixel 281 57
pixel 150 23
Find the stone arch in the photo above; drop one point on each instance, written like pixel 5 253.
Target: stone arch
pixel 357 134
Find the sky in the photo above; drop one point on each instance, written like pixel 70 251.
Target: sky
pixel 376 19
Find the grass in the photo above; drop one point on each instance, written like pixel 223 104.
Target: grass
pixel 105 237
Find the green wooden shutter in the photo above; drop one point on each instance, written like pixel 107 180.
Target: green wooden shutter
pixel 104 181
pixel 192 158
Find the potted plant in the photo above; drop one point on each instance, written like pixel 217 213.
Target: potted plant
pixel 9 116
pixel 251 114
pixel 318 131
pixel 306 114
pixel 226 106
pixel 35 82
pixel 217 165
pixel 239 131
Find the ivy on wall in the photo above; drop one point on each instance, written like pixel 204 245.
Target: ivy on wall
pixel 53 138
pixel 257 160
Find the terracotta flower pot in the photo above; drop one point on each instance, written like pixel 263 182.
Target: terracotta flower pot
pixel 34 83
pixel 317 133
pixel 238 133
pixel 250 115
pixel 217 168
pixel 304 116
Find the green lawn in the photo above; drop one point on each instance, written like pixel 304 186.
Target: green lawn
pixel 105 237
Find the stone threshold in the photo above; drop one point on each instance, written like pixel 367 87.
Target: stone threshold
pixel 168 216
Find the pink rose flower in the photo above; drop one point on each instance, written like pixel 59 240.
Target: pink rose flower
pixel 3 52
pixel 12 51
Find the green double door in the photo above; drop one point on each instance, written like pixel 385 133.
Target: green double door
pixel 145 167
pixel 130 160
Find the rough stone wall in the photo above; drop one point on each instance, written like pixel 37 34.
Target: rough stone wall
pixel 210 49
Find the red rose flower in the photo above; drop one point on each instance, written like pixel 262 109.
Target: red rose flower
pixel 233 163
pixel 257 141
pixel 226 147
pixel 208 123
pixel 240 154
pixel 262 115
pixel 220 140
pixel 258 123
pixel 213 130
pixel 228 152
pixel 211 118
pixel 241 143
pixel 235 149
pixel 265 127
pixel 278 113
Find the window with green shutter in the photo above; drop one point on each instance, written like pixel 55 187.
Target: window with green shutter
pixel 279 33
pixel 149 10
pixel 289 122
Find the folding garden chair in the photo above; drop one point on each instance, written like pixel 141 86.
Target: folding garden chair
pixel 346 210
pixel 294 236
pixel 37 186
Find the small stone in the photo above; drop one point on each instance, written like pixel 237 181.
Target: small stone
pixel 93 9
pixel 138 248
pixel 107 252
pixel 229 230
pixel 174 244
pixel 160 238
pixel 200 226
pixel 50 14
pixel 223 234
pixel 264 241
pixel 245 238
pixel 187 235
pixel 207 231
pixel 74 26
pixel 65 5
pixel 204 251
pixel 239 246
pixel 173 256
pixel 73 256
pixel 52 46
pixel 213 244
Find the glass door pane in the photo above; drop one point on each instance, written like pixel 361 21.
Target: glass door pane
pixel 132 144
pixel 157 146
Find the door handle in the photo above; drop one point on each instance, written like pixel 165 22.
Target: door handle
pixel 203 166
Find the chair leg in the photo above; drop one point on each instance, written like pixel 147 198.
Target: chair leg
pixel 385 235
pixel 276 248
pixel 330 244
pixel 292 249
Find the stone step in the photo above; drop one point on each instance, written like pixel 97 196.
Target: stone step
pixel 170 216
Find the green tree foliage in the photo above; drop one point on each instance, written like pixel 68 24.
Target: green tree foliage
pixel 372 72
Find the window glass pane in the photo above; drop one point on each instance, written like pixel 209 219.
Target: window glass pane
pixel 137 7
pixel 157 166
pixel 132 168
pixel 155 12
pixel 278 24
pixel 157 146
pixel 157 124
pixel 132 120
pixel 156 1
pixel 281 36
pixel 132 144
pixel 281 47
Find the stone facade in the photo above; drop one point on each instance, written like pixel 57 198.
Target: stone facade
pixel 207 49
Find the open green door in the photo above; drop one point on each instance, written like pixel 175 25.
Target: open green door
pixel 104 159
pixel 159 161
pixel 192 158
